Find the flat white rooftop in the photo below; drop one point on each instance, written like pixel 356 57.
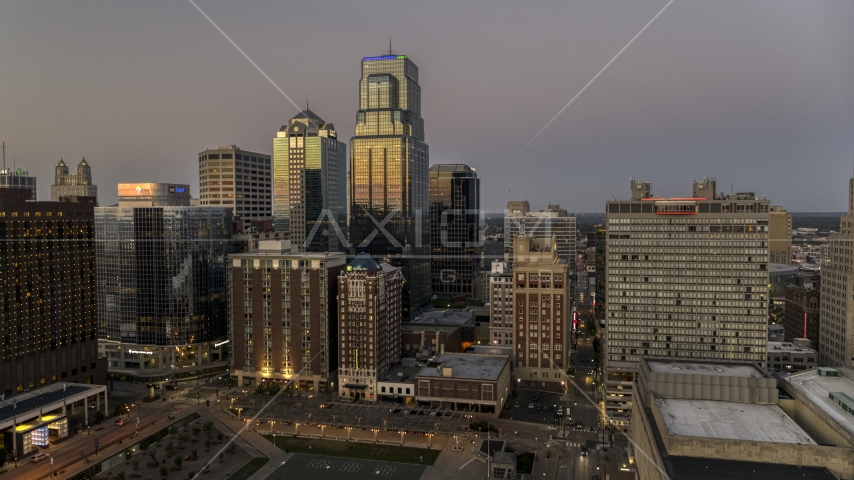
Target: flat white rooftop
pixel 450 316
pixel 818 388
pixel 730 420
pixel 705 369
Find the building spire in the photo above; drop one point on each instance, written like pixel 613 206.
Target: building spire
pixel 306 103
pixel 389 45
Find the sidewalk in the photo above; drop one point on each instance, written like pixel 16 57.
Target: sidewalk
pixel 255 444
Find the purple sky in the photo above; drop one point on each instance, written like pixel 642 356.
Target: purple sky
pixel 759 94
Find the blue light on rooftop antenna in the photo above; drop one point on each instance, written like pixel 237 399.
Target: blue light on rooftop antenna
pixel 384 57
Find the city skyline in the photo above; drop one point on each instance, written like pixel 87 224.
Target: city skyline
pixel 785 101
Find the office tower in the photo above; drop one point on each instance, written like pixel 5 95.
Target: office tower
pixel 780 228
pixel 501 305
pixel 687 278
pixel 49 323
pixel 599 293
pixel 836 335
pixel 18 178
pixel 540 290
pixel 73 185
pixel 389 164
pixel 162 278
pixel 548 223
pixel 310 184
pixel 370 315
pixel 282 316
pixel 456 243
pixel 236 178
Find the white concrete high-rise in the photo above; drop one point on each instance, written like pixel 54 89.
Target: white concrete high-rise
pixel 687 278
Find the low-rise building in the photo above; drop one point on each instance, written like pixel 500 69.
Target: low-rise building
pixel 726 420
pixel 789 357
pixel 424 341
pixel 476 382
pixel 399 384
pixel 776 333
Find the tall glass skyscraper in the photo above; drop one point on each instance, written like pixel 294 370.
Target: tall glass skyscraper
pixel 161 278
pixel 456 242
pixel 310 192
pixel 389 165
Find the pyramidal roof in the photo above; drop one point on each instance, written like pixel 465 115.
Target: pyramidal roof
pixel 83 162
pixel 363 262
pixel 61 163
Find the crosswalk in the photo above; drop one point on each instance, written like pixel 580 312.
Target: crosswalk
pixel 559 443
pixel 183 399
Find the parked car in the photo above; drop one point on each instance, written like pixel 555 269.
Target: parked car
pixel 516 405
pixel 551 408
pixel 507 406
pixel 539 407
pixel 530 408
pixel 536 396
pixel 584 452
pixel 122 421
pixel 39 457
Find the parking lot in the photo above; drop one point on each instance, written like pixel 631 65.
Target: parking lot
pixel 548 402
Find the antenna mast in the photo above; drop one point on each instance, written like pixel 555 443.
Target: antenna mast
pixel 4 155
pixel 389 45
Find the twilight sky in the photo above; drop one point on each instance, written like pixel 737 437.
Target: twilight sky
pixel 758 93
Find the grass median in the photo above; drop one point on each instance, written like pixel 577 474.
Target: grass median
pixel 365 451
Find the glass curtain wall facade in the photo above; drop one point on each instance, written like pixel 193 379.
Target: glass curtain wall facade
pixel 455 231
pixel 389 163
pixel 161 277
pixel 312 205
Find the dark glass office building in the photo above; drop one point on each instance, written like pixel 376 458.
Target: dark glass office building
pixel 455 231
pixel 161 275
pixel 389 164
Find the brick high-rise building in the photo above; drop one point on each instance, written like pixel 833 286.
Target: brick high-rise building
pixel 369 317
pixel 501 309
pixel 802 313
pixel 283 316
pixel 541 296
pixel 47 262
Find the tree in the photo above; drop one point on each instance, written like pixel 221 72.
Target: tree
pixel 195 454
pixel 221 456
pixel 207 445
pixel 135 465
pixel 219 436
pixel 196 432
pixel 179 460
pixel 170 449
pixel 121 409
pixel 191 474
pixel 164 472
pixel 208 426
pixel 99 416
pixel 120 476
